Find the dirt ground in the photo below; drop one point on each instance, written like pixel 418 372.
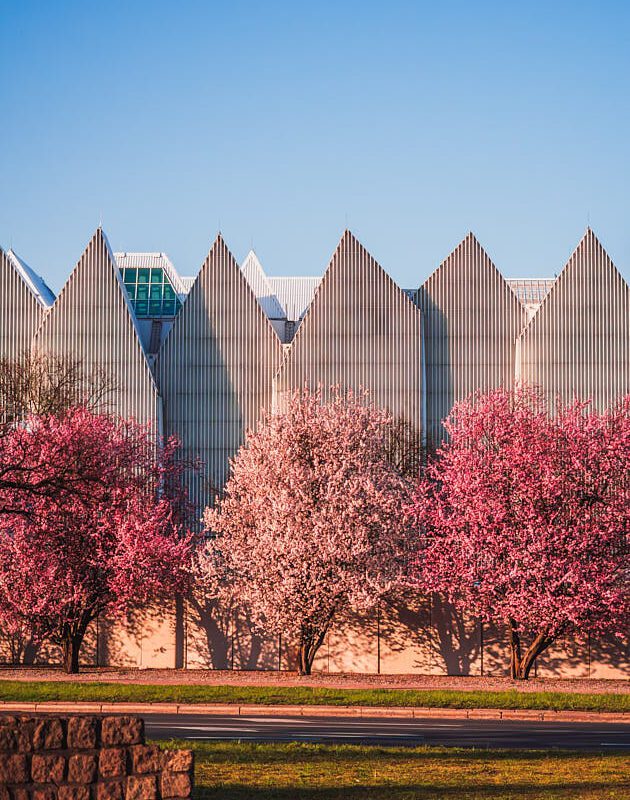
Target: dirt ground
pixel 324 680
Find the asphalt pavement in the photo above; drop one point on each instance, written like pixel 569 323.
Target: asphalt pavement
pixel 481 733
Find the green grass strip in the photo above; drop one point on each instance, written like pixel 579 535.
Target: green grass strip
pixel 41 691
pixel 278 771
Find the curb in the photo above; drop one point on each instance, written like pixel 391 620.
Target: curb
pixel 409 712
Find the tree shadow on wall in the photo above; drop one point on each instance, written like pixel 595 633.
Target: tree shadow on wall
pixel 579 657
pixel 20 649
pixel 447 640
pixel 137 638
pixel 350 645
pixel 229 639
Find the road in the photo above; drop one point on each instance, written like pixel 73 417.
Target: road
pixel 393 731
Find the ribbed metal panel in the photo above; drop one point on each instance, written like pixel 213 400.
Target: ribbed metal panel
pixel 472 319
pixel 20 310
pixel 578 343
pixel 91 321
pixel 215 368
pixel 360 331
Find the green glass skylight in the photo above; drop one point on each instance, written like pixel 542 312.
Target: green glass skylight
pixel 150 292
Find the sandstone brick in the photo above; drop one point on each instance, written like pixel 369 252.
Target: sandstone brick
pixel 141 787
pixel 109 790
pixel 73 793
pixel 122 730
pixel 25 732
pixel 177 760
pixel 81 768
pixel 45 793
pixel 175 784
pixel 82 733
pixel 112 762
pixel 145 758
pixel 48 734
pixel 13 768
pixel 48 768
pixel 8 738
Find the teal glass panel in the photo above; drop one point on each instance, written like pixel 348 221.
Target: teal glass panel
pixel 142 307
pixel 169 308
pixel 143 292
pixel 129 275
pixel 155 292
pixel 157 275
pixel 155 307
pixel 131 290
pixel 143 275
pixel 169 292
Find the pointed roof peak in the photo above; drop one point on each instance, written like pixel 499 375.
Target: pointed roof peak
pixel 251 258
pixel 591 238
pixel 469 240
pixel 349 240
pixel 37 285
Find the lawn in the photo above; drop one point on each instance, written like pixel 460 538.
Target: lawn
pixel 40 691
pixel 244 771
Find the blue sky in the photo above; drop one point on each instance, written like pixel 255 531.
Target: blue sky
pixel 281 123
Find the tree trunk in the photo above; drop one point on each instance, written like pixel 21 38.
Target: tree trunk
pixel 310 642
pixel 71 649
pixel 304 661
pixel 521 663
pixel 515 651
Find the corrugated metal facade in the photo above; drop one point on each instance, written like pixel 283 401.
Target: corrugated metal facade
pixel 466 328
pixel 215 368
pixel 360 331
pixel 471 322
pixel 578 343
pixel 91 321
pixel 20 310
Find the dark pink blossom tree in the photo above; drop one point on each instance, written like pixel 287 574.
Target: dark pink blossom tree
pixel 310 522
pixel 525 516
pixel 113 541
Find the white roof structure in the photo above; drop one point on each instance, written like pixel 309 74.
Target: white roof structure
pixel 35 283
pixel 530 291
pixel 295 294
pixel 260 284
pixel 187 281
pixel 283 297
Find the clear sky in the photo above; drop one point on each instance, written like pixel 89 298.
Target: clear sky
pixel 281 123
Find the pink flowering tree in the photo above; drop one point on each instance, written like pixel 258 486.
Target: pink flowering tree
pixel 100 546
pixel 524 516
pixel 310 522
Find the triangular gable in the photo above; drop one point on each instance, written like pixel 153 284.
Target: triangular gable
pixel 471 321
pixel 578 343
pixel 91 321
pixel 360 331
pixel 20 308
pixel 215 368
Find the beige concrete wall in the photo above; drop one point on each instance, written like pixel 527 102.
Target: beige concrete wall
pixel 412 635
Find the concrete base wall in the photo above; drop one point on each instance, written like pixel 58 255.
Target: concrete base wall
pixel 414 635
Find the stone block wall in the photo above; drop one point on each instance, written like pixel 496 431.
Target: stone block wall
pixel 88 758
